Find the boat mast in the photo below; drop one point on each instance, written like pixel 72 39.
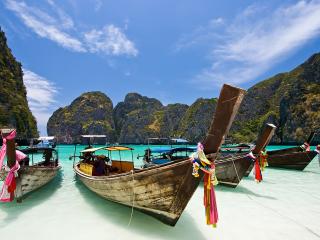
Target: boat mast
pixel 227 106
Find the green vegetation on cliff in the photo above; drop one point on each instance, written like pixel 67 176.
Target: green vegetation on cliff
pixel 91 113
pixel 197 119
pixel 14 109
pixel 289 100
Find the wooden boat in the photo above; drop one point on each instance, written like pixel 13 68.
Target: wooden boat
pixel 296 158
pixel 230 169
pixel 36 174
pixel 163 191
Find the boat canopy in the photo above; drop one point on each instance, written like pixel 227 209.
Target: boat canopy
pixel 94 136
pixel 179 140
pixel 161 150
pixel 184 149
pixel 173 150
pixel 92 149
pixel 118 148
pixel 158 138
pixel 111 148
pixel 46 138
pixel 33 150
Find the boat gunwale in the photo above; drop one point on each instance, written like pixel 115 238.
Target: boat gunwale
pixel 290 153
pixel 148 170
pixel 41 167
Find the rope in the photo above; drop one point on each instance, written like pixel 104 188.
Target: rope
pixel 230 99
pixel 132 207
pixel 236 171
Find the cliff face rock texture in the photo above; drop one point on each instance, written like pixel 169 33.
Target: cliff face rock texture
pixel 91 113
pixel 289 100
pixel 197 119
pixel 136 118
pixel 14 109
pixel 170 119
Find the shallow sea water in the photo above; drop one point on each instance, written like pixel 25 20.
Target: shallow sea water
pixel 286 205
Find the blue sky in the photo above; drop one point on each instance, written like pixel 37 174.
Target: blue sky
pixel 176 51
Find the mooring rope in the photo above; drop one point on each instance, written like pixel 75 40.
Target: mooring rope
pixel 132 206
pixel 236 171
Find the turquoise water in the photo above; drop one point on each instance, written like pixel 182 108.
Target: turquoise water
pixel 286 205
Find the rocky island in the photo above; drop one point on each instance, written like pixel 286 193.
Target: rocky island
pixel 289 100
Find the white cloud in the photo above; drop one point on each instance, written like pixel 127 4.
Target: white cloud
pixel 258 39
pixel 216 21
pixel 60 28
pixel 110 40
pixel 41 96
pixel 44 25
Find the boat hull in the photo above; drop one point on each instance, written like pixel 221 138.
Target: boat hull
pixel 162 191
pixel 31 178
pixel 230 171
pixel 290 160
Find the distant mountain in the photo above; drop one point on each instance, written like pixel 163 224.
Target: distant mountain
pixel 14 109
pixel 90 113
pixel 289 100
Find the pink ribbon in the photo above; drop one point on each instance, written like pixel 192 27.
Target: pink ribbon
pixel 3 150
pixel 9 185
pixel 6 195
pixel 250 155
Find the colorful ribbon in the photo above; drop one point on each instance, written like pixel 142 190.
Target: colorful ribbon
pixel 256 169
pixel 263 156
pixel 9 185
pixel 3 150
pixel 200 161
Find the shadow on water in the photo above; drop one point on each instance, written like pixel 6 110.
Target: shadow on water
pixel 141 223
pixel 242 190
pixel 32 199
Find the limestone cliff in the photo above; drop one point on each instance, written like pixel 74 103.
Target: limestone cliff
pixel 91 113
pixel 14 109
pixel 289 100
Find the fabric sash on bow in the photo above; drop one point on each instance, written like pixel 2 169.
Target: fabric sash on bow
pixel 257 170
pixel 3 150
pixel 200 161
pixel 9 185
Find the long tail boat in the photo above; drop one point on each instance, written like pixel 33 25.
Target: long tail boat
pixel 230 169
pixel 296 158
pixel 163 191
pixel 39 167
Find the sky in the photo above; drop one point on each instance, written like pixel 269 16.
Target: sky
pixel 175 51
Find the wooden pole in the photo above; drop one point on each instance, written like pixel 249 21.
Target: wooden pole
pixel 227 107
pixel 11 148
pixel 264 138
pixel 310 138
